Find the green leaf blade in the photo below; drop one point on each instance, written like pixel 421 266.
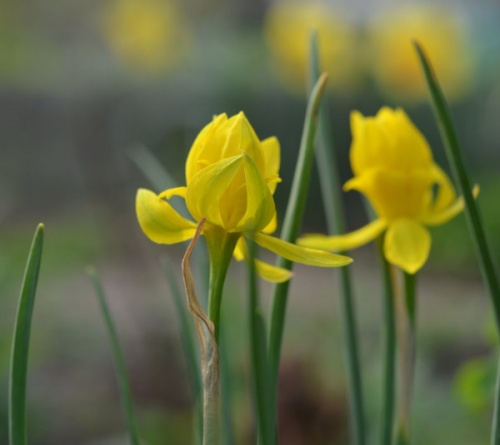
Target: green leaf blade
pixel 20 344
pixel 123 382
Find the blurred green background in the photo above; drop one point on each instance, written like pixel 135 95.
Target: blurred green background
pixel 85 85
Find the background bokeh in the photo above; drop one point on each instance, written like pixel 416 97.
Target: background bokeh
pixel 91 92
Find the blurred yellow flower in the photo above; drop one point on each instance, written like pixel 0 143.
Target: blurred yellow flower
pixel 287 29
pixel 394 168
pixel 148 36
pixel 230 179
pixel 394 64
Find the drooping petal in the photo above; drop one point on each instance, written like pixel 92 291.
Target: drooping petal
pixel 443 216
pixel 267 271
pixel 349 241
pixel 299 254
pixel 407 245
pixel 207 188
pixel 159 221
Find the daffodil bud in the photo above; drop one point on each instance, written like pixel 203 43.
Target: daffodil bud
pixel 231 175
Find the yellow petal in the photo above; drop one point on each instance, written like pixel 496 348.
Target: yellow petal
pixel 270 148
pixel 445 193
pixel 267 271
pixel 199 155
pixel 343 243
pixel 369 143
pixel 388 141
pixel 410 148
pixel 159 221
pixel 206 190
pixel 273 274
pixel 260 203
pixel 304 255
pixel 271 227
pixel 177 191
pixel 395 194
pixel 443 216
pixel 407 244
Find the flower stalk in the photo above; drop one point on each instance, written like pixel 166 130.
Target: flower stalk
pixel 220 249
pixel 209 350
pixel 389 373
pixel 406 314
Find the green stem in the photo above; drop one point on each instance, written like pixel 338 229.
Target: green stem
pixel 389 382
pixel 407 326
pixel 332 201
pixel 260 366
pixel 220 248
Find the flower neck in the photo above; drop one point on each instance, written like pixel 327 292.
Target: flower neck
pixel 221 246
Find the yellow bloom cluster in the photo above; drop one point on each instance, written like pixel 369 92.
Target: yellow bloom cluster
pixel 378 47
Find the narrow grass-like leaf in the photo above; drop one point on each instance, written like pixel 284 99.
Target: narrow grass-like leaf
pixel 292 222
pixel 455 158
pixel 20 343
pixel 332 202
pixel 258 349
pixel 121 370
pixel 188 342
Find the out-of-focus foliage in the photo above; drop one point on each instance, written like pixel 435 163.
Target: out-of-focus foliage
pixel 475 382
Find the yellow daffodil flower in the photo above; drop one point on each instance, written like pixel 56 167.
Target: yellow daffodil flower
pixel 231 177
pixel 148 36
pixel 396 69
pixel 286 29
pixel 394 168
